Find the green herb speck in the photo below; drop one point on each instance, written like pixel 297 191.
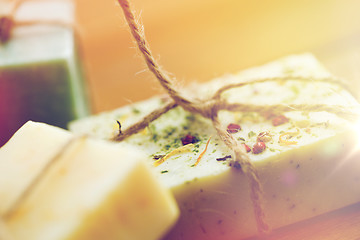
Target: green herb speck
pixel 135 111
pixel 169 131
pixel 155 137
pixel 190 117
pixel 251 134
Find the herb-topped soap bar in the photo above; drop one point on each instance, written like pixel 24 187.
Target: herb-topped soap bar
pixel 307 161
pixel 41 78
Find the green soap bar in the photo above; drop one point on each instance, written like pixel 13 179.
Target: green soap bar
pixel 41 78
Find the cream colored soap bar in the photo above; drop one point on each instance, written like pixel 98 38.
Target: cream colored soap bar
pixel 24 157
pixel 309 166
pixel 67 187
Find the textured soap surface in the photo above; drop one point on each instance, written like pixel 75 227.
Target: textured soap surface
pixel 308 167
pixel 41 77
pixel 20 166
pixel 65 187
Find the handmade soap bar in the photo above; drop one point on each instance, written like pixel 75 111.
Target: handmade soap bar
pixel 41 77
pixel 20 167
pixel 58 186
pixel 307 161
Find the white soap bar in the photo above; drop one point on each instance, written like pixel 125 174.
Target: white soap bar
pixel 91 189
pixel 309 166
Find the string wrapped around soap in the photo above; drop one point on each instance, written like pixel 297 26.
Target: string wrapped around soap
pixel 209 108
pixel 8 22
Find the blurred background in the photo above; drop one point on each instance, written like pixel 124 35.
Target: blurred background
pixel 197 40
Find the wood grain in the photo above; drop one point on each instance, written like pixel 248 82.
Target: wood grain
pixel 341 224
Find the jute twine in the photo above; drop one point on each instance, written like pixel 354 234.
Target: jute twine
pixel 8 22
pixel 209 108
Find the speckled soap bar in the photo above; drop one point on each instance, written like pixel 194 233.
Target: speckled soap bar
pixel 307 161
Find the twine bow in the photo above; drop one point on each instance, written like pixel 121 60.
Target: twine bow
pixel 209 108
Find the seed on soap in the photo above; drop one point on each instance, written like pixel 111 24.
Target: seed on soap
pixel 264 137
pixel 189 139
pixel 233 128
pixel 223 158
pixel 247 148
pixel 278 120
pixel 259 147
pixel 157 157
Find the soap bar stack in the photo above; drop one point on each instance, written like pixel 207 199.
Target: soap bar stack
pixel 56 186
pixel 41 78
pixel 307 161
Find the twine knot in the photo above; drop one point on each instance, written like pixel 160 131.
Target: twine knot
pixel 8 22
pixel 6 26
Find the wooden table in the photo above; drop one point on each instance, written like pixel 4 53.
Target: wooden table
pixel 342 224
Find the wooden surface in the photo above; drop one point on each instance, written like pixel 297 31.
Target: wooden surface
pixel 342 224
